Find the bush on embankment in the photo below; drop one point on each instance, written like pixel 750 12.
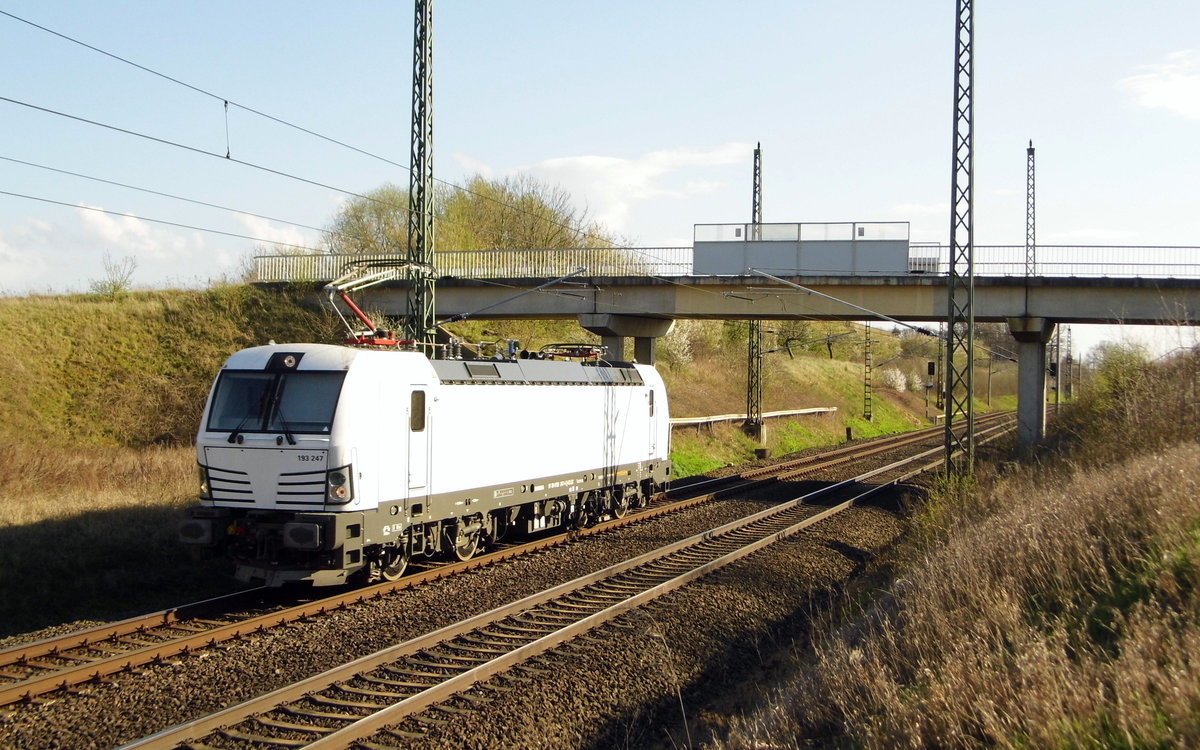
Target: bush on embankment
pixel 1057 604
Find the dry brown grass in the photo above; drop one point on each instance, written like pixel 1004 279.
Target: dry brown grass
pixel 89 534
pixel 1054 608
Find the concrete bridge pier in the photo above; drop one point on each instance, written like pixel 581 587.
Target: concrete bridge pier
pixel 614 329
pixel 1031 335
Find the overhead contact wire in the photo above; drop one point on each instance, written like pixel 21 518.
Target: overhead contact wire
pixel 169 195
pixel 279 121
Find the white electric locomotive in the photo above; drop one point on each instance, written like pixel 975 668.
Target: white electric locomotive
pixel 320 463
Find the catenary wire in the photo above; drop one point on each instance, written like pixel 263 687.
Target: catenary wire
pixel 281 121
pixel 227 101
pixel 193 149
pixel 170 195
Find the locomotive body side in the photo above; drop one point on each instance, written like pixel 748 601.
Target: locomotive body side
pixel 353 461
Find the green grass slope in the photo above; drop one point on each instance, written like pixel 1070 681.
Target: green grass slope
pixel 132 369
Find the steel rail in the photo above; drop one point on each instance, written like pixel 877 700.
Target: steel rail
pixel 131 652
pixel 193 732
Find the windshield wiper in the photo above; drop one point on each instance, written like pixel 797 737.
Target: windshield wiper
pixel 287 430
pixel 233 436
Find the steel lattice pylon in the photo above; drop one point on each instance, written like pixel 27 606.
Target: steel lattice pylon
pixel 1030 224
pixel 960 349
pixel 419 325
pixel 754 359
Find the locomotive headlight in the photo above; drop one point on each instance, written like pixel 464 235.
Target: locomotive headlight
pixel 205 489
pixel 338 489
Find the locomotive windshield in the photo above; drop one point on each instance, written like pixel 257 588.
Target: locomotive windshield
pixel 288 402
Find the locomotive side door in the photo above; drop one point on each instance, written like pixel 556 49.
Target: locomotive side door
pixel 418 443
pixel 652 420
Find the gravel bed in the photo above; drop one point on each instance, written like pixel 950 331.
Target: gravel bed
pixel 127 708
pixel 633 685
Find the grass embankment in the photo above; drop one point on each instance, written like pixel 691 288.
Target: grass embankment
pixel 134 369
pixel 716 385
pixel 1056 604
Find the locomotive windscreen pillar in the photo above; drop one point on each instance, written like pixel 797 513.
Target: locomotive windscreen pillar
pixel 1031 335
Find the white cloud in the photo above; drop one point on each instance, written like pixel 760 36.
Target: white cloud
pixel 1173 85
pixel 611 186
pixel 263 229
pixel 473 166
pixel 127 235
pixel 22 255
pixel 699 187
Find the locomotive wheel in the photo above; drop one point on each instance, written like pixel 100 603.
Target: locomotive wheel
pixel 620 506
pixel 466 545
pixel 393 566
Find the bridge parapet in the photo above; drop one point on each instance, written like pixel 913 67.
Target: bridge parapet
pixel 1088 261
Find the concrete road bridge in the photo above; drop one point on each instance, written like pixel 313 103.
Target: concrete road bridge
pixel 636 293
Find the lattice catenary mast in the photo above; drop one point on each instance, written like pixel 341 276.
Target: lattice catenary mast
pixel 1030 212
pixel 419 325
pixel 960 349
pixel 754 359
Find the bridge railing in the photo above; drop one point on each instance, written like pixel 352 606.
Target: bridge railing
pixel 491 264
pixel 1117 261
pixel 990 260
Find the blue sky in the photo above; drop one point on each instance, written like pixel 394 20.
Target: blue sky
pixel 645 112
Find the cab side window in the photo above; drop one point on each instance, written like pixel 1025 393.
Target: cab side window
pixel 416 411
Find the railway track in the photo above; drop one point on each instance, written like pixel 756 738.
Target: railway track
pixel 361 703
pixel 36 669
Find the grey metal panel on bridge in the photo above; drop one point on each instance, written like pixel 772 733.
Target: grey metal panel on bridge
pixel 820 249
pixel 817 258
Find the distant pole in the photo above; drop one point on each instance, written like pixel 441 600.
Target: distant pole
pixel 868 366
pixel 419 325
pixel 991 362
pixel 1057 367
pixel 1030 215
pixel 960 286
pixel 754 357
pixel 1069 363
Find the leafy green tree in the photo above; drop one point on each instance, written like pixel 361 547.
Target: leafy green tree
pixel 374 225
pixel 513 213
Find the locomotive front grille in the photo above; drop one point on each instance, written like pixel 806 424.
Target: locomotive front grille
pixel 230 486
pixel 301 488
pixel 267 477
